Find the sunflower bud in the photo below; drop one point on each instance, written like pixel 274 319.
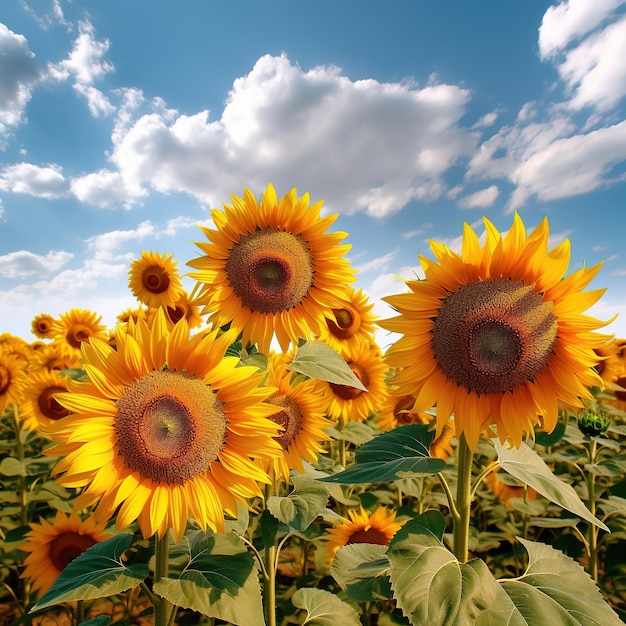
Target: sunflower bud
pixel 593 423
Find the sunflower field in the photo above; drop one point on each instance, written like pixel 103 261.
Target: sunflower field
pixel 246 452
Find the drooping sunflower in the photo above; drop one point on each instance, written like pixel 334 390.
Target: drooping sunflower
pixel 270 268
pixel 78 326
pixel 350 324
pixel 154 279
pixel 52 546
pixel 362 526
pixel 39 408
pixel 42 326
pixel 166 428
pixel 301 418
pixel 497 335
pixel 12 378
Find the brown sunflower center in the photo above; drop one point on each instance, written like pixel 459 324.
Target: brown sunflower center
pixel 77 334
pixel 66 547
pixel 170 428
pixel 155 279
pixel 492 336
pixel 345 392
pixel 48 406
pixel 402 410
pixel 270 270
pixel 347 323
pixel 290 418
pixel 369 535
pixel 176 313
pixel 5 379
pixel 43 326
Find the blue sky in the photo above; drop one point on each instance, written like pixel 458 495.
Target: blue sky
pixel 123 123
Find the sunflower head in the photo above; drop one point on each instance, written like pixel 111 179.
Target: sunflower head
pixel 154 279
pixel 271 269
pixel 78 326
pixel 496 335
pixel 12 378
pixel 184 307
pixel 42 326
pixel 39 407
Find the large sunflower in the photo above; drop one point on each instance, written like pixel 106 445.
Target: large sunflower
pixel 270 267
pixel 53 546
pixel 154 279
pixel 167 427
pixel 497 335
pixel 39 408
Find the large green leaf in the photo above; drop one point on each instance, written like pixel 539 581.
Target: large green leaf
pixel 399 453
pixel 324 608
pixel 318 360
pixel 307 500
pixel 215 575
pixel 362 571
pixel 526 465
pixel 96 573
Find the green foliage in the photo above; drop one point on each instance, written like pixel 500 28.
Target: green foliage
pixel 362 571
pixel 298 509
pixel 324 608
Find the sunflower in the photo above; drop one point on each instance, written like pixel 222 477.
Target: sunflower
pixel 53 546
pixel 496 335
pixel 12 378
pixel 78 326
pixel 42 326
pixel 167 427
pixel 270 268
pixel 301 418
pixel 39 408
pixel 505 491
pixel 185 307
pixel 54 356
pixel 350 324
pixel 154 279
pixel 347 403
pixel 378 527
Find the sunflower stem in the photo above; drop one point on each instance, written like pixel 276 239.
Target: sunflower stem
pixel 271 564
pixel 164 610
pixel 593 529
pixel 463 501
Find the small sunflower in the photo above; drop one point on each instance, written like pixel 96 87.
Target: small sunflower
pixel 78 326
pixel 39 408
pixel 166 428
pixel 12 379
pixel 54 356
pixel 53 546
pixel 505 491
pixel 154 279
pixel 42 326
pixel 270 268
pixel 183 307
pixel 497 335
pixel 350 324
pixel 378 528
pixel 347 403
pixel 301 417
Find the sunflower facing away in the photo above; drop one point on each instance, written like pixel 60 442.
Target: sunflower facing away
pixel 53 546
pixel 497 335
pixel 270 268
pixel 378 527
pixel 154 279
pixel 166 428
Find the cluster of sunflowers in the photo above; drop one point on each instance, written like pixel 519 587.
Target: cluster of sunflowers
pixel 198 406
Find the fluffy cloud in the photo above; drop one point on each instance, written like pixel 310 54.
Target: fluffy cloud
pixel 23 263
pixel 366 145
pixel 41 182
pixel 480 199
pixel 105 189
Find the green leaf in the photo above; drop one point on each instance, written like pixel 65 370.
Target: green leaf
pixel 362 571
pixel 12 467
pixel 555 589
pixel 98 572
pixel 526 465
pixel 357 433
pixel 549 439
pixel 318 360
pixel 269 528
pixel 324 608
pixel 307 500
pixel 401 452
pixel 215 575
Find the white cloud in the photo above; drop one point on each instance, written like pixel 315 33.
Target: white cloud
pixel 41 182
pixel 377 263
pixel 23 263
pixel 97 102
pixel 486 120
pixel 105 189
pixel 480 199
pixel 46 18
pixel 18 73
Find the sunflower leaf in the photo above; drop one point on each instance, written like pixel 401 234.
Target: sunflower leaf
pixel 98 572
pixel 526 465
pixel 318 360
pixel 298 510
pixel 362 571
pixel 401 452
pixel 324 608
pixel 215 575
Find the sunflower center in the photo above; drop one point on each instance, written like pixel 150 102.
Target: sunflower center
pixel 345 392
pixel 48 406
pixel 66 547
pixel 170 428
pixel 5 379
pixel 270 271
pixel 290 418
pixel 369 535
pixel 78 333
pixel 492 336
pixel 43 326
pixel 176 313
pixel 155 279
pixel 347 323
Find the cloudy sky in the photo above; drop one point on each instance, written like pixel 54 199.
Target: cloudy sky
pixel 123 123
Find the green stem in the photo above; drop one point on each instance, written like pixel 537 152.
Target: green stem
pixel 593 529
pixel 271 555
pixel 20 457
pixel 164 610
pixel 463 501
